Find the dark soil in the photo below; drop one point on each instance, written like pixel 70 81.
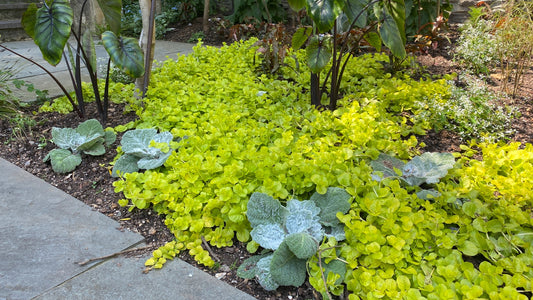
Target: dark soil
pixel 92 183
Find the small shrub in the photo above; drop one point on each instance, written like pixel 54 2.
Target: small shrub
pixel 514 31
pixel 143 149
pixel 88 138
pixel 294 233
pixel 472 111
pixel 257 11
pixel 477 46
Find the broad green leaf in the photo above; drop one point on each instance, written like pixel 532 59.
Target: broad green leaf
pixel 137 139
pixel 109 137
pixel 149 163
pixel 428 194
pixel 355 11
pixel 269 236
pixel 28 20
pixel 324 13
pixel 336 231
pixel 480 225
pixel 303 217
pixel 248 268
pixel 336 267
pixel 297 4
pixel 90 128
pixel 374 40
pixel 428 167
pixel 52 29
pixel 396 8
pixel 494 226
pixel 263 209
pixel 125 164
pixel 96 149
pixel 387 165
pixel 92 133
pixel 286 268
pixel 300 36
pixel 319 53
pixel 64 161
pixel 302 245
pixel 164 137
pixel 88 46
pixel 390 32
pixel 125 53
pixel 264 275
pixel 335 200
pixel 469 208
pixel 468 248
pixel 112 10
pixel 66 138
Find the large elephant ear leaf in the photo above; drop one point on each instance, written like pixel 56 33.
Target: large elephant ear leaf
pixel 112 10
pixel 52 29
pixel 125 53
pixel 324 12
pixel 88 45
pixel 297 4
pixel 356 12
pixel 392 35
pixel 319 53
pixel 396 8
pixel 28 20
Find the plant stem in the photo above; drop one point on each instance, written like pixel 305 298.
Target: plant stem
pixel 67 94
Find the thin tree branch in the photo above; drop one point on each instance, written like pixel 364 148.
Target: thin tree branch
pixel 52 76
pixel 113 255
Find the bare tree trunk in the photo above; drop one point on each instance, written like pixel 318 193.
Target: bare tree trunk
pixel 158 7
pixel 206 16
pixel 147 42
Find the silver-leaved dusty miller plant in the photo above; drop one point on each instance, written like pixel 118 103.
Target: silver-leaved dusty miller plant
pixel 143 149
pixel 427 168
pixel 88 138
pixel 294 233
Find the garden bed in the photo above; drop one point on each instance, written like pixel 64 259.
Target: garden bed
pixel 91 182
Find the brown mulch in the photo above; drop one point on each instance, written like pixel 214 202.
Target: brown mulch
pixel 92 183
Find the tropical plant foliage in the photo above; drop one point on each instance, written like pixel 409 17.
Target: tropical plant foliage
pixel 51 25
pixel 333 39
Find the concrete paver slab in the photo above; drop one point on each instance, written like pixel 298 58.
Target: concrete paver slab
pixel 44 231
pixel 23 69
pixel 122 278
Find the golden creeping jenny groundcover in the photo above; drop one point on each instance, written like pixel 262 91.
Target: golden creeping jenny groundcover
pixel 243 132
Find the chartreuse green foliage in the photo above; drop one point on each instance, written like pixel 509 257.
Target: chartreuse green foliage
pixel 294 233
pixel 143 149
pixel 88 138
pixel 250 134
pixel 399 246
pixel 118 93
